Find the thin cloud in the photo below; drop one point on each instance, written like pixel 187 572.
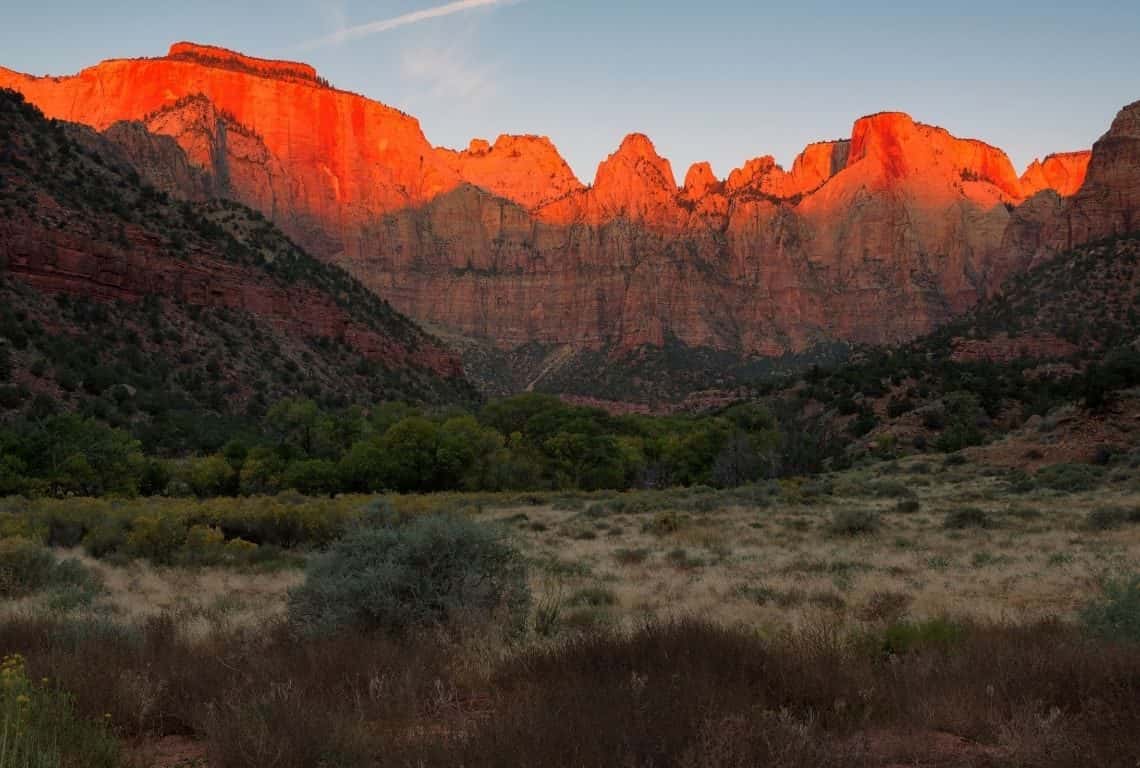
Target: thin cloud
pixel 415 17
pixel 450 74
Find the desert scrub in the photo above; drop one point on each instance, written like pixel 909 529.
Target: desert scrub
pixel 40 729
pixel 396 576
pixel 966 517
pixel 27 567
pixel 854 522
pixel 1069 477
pixel 906 636
pixel 626 556
pixel 159 528
pixel 1115 615
pixel 1108 518
pixel 908 506
pixel 593 597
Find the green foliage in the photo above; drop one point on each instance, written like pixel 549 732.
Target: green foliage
pixel 27 567
pixel 315 477
pixel 157 537
pixel 1116 614
pixel 625 556
pixel 207 476
pixel 936 634
pixel 395 577
pixel 961 415
pixel 40 729
pixel 69 454
pixel 908 506
pixel 966 517
pixel 1070 477
pixel 1109 518
pixel 854 522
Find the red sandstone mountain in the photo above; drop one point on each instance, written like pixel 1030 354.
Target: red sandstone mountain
pixel 1063 173
pixel 75 220
pixel 1108 203
pixel 526 169
pixel 876 238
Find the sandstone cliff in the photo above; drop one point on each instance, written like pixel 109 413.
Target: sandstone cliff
pixel 875 238
pixel 74 219
pixel 1108 203
pixel 1063 173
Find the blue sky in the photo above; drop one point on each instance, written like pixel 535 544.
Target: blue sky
pixel 720 80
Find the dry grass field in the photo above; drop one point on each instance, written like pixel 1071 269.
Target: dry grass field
pixel 912 613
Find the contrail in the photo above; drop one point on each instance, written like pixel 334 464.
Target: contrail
pixel 383 25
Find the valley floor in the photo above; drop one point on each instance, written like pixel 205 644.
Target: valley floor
pixel 921 612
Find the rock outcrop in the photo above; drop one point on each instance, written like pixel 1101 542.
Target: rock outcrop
pixel 75 219
pixel 1064 173
pixel 524 169
pixel 875 238
pixel 1108 203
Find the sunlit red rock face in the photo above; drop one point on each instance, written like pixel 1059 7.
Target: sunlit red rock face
pixel 1063 173
pixel 526 169
pixel 875 238
pixel 1108 203
pixel 332 160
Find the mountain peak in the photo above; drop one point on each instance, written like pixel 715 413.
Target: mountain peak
pixel 699 180
pixel 526 169
pixel 637 157
pixel 639 145
pixel 1063 172
pixel 890 147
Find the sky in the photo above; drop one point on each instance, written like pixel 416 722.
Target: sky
pixel 718 80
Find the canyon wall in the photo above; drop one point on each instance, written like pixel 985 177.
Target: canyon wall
pixel 877 237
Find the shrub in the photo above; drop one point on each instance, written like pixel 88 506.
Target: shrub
pixel 854 522
pixel 885 606
pixel 862 424
pixel 156 537
pixel 204 544
pixel 1107 518
pixel 681 559
pixel 240 549
pixel 593 597
pixel 391 576
pixel 1116 614
pixel 106 538
pixel 934 420
pixel 966 517
pixel 631 556
pixel 663 524
pixel 39 727
pixel 890 489
pixel 1069 477
pixel 918 635
pixel 27 567
pixel 908 506
pixel 314 477
pixel 210 476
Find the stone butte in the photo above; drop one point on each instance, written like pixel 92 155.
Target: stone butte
pixel 875 238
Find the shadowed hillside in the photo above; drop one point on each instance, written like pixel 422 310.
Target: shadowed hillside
pixel 129 305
